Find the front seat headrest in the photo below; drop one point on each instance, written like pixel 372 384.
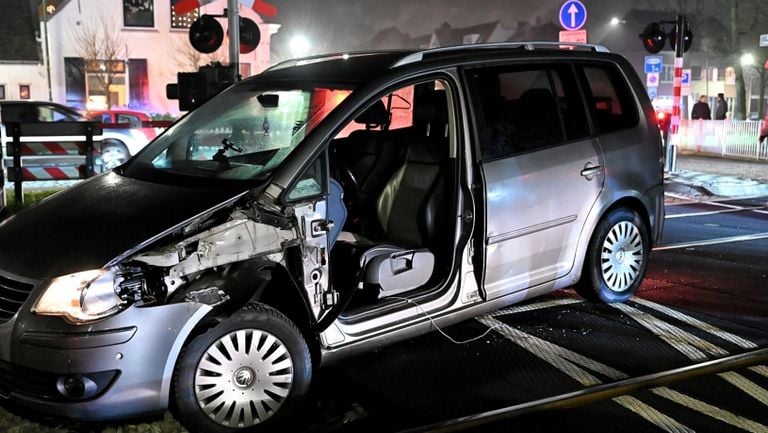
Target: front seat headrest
pixel 375 115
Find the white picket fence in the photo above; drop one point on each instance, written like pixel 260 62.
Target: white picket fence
pixel 723 137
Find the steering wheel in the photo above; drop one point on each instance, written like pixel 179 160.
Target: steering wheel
pixel 347 179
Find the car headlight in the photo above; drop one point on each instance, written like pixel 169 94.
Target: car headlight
pixel 80 297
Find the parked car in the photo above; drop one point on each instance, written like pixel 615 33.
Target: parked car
pixel 257 240
pixel 136 120
pixel 116 145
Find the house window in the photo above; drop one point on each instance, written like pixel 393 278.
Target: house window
pixel 139 13
pixel 183 21
pixel 24 92
pixel 2 91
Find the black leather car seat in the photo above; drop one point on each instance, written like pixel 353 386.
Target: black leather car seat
pixel 408 210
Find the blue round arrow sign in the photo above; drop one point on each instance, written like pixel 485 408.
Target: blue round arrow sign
pixel 573 15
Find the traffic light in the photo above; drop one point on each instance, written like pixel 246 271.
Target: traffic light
pixel 653 37
pixel 687 37
pixel 194 88
pixel 206 34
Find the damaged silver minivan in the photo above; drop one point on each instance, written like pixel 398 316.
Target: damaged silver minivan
pixel 323 208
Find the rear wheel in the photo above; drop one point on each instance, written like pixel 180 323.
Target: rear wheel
pixel 248 371
pixel 616 259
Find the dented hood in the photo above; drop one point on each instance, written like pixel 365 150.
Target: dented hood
pixel 88 225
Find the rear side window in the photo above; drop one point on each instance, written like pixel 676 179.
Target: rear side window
pixel 521 109
pixel 134 121
pixel 609 98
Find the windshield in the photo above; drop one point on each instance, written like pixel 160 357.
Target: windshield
pixel 240 135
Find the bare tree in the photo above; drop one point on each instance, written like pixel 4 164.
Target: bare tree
pixel 189 59
pixel 104 51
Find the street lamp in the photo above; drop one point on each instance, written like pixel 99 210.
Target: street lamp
pixel 747 59
pixel 616 21
pixel 299 46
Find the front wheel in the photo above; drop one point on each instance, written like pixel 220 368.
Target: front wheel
pixel 113 154
pixel 249 370
pixel 616 259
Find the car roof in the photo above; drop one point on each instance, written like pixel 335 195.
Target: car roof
pixel 358 67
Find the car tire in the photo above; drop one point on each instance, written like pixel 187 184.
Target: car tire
pixel 113 154
pixel 616 258
pixel 248 372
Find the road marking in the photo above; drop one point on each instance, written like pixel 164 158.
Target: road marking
pixel 652 415
pixel 750 388
pixel 709 410
pixel 688 344
pixel 760 369
pixel 716 241
pixel 714 212
pixel 536 306
pixel 567 361
pixel 706 327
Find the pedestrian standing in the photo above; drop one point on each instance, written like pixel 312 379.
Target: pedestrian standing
pixel 701 109
pixel 764 129
pixel 721 108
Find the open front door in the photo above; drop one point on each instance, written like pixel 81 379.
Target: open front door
pixel 309 200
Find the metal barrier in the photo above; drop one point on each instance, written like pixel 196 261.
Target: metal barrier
pixel 49 151
pixel 723 138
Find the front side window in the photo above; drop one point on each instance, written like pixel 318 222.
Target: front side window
pixel 48 113
pixel 139 13
pixel 521 109
pixel 241 135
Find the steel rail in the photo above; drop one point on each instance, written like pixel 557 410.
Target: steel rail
pixel 597 393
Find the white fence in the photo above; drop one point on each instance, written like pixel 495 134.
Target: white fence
pixel 722 137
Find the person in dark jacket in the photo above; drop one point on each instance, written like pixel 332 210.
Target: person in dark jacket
pixel 721 108
pixel 764 129
pixel 701 109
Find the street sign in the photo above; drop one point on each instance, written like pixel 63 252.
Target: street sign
pixel 685 79
pixel 653 64
pixel 653 92
pixel 652 80
pixel 574 37
pixel 764 40
pixel 573 15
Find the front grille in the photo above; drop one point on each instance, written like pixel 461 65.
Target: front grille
pixel 13 294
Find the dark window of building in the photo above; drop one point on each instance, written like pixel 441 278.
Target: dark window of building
pixel 139 13
pixel 525 109
pixel 24 92
pixel 183 21
pixel 138 84
pixel 74 81
pixel 2 91
pixel 609 98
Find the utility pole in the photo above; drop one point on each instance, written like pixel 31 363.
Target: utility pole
pixel 46 50
pixel 233 21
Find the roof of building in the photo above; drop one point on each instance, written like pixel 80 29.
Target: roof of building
pixel 17 32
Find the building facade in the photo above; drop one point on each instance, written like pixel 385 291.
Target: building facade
pixel 22 74
pixel 125 52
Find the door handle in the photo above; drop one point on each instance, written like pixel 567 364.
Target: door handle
pixel 590 170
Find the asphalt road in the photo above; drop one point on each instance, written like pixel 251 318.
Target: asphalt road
pixel 698 303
